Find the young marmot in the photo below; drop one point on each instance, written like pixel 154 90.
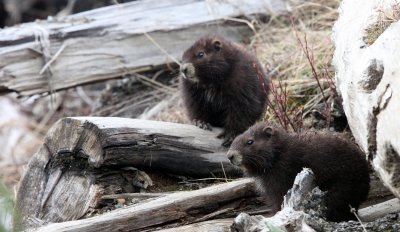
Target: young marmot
pixel 222 85
pixel 274 157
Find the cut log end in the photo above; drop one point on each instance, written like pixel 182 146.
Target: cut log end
pixel 84 158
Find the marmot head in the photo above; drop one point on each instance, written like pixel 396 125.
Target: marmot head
pixel 253 151
pixel 208 60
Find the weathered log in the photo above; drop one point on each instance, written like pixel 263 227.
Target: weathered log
pixel 290 217
pixel 176 206
pixel 220 225
pixel 82 157
pixel 374 212
pixel 133 195
pixel 303 210
pixel 110 42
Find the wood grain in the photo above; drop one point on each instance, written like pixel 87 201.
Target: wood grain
pixel 110 42
pixel 176 206
pixel 81 159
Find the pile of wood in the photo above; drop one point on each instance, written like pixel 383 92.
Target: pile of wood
pixel 91 163
pixel 87 163
pixel 84 161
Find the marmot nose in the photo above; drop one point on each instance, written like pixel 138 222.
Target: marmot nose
pixel 184 69
pixel 230 155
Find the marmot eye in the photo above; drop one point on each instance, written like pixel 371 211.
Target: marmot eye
pixel 200 54
pixel 249 142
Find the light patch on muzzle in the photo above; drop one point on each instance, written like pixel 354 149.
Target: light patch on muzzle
pixel 188 72
pixel 235 157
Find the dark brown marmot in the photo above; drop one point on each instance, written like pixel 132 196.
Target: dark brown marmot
pixel 222 85
pixel 274 157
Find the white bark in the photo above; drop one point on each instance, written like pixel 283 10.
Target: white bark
pixel 289 218
pixel 374 212
pixel 367 61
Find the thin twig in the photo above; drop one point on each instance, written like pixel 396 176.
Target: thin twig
pixel 46 118
pixel 81 93
pixel 213 214
pixel 161 48
pixel 134 195
pixel 353 210
pixel 249 24
pixel 205 179
pixel 223 170
pixel 47 65
pixel 310 57
pixel 154 83
pixel 265 89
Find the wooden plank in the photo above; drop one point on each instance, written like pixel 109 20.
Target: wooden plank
pixel 110 42
pixel 78 152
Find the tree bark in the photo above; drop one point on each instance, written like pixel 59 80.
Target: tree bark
pixel 219 225
pixel 109 42
pixel 374 212
pixel 367 80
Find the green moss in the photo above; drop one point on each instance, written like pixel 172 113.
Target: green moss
pixel 173 188
pixel 6 208
pixel 273 228
pixel 374 32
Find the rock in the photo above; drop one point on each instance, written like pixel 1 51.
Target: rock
pixel 367 62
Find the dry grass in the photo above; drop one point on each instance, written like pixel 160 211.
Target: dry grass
pixel 386 16
pixel 297 51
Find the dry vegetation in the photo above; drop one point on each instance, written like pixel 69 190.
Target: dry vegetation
pixel 386 16
pixel 297 51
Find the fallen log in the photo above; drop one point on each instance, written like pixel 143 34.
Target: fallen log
pixel 374 212
pixel 82 159
pixel 109 42
pixel 220 225
pixel 177 206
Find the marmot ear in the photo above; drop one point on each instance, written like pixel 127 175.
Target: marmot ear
pixel 268 131
pixel 217 45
